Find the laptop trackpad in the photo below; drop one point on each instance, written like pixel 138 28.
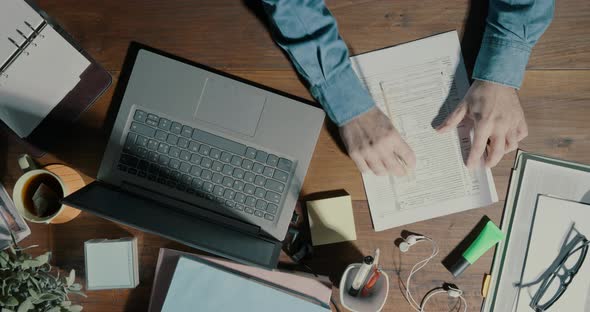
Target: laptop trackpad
pixel 230 105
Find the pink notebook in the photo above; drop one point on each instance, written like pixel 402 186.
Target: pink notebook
pixel 320 289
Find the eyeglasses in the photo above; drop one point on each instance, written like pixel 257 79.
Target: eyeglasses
pixel 560 274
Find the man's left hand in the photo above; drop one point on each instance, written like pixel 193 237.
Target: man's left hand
pixel 497 116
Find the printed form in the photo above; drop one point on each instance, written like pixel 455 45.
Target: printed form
pixel 417 85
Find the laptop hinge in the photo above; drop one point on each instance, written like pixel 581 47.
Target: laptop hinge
pixel 205 209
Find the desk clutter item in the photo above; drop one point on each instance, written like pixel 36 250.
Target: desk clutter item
pixel 38 193
pixel 373 301
pixel 450 289
pixel 331 220
pixel 10 221
pixel 556 272
pixel 489 235
pixel 317 290
pixel 199 282
pixel 45 80
pixel 418 84
pixel 31 284
pixel 111 264
pixel 532 175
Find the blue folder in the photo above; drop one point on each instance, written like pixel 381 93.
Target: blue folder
pixel 198 285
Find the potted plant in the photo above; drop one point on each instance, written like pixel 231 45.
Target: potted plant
pixel 26 283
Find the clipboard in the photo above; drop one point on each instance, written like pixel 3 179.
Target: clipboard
pixel 508 260
pixel 94 81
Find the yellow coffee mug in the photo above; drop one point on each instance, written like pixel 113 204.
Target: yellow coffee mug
pixel 63 180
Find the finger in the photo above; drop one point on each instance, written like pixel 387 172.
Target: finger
pixel 454 118
pixel 393 165
pixel 511 142
pixel 375 163
pixel 496 151
pixel 480 139
pixel 360 162
pixel 406 155
pixel 522 131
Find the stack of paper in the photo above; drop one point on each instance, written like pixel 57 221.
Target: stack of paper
pixel 331 220
pixel 111 264
pixel 418 84
pixel 10 221
pixel 170 282
pixel 532 175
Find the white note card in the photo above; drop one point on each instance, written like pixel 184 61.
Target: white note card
pixel 417 85
pixel 38 80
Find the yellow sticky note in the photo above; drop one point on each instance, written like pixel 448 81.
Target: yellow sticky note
pixel 331 220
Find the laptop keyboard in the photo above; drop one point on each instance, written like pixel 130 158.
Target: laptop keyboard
pixel 237 176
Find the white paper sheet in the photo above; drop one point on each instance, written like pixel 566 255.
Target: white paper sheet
pixel 13 15
pixel 417 84
pixel 554 218
pixel 38 80
pixel 538 175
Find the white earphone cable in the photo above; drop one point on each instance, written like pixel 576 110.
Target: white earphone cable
pixel 417 267
pixel 430 295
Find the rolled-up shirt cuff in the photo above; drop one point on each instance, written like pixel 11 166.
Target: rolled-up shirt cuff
pixel 343 96
pixel 502 61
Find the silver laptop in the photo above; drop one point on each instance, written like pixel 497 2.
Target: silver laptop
pixel 210 146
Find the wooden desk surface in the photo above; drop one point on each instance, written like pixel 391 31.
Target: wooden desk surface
pixel 230 36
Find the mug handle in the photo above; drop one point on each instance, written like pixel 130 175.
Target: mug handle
pixel 26 163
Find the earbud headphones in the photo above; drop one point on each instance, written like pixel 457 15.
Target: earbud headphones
pixel 410 241
pixel 452 290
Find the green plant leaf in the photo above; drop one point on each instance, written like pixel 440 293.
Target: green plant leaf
pixel 33 293
pixel 54 309
pixel 44 258
pixel 75 287
pixel 25 306
pixel 66 303
pixel 71 278
pixel 3 259
pixel 11 302
pixel 48 297
pixel 6 310
pixel 75 308
pixel 35 281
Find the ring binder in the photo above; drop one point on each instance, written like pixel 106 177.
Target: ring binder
pixel 48 44
pixel 22 48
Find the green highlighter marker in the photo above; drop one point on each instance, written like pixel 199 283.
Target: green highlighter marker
pixel 487 238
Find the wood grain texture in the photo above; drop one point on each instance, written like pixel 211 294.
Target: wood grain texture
pixel 229 36
pixel 191 28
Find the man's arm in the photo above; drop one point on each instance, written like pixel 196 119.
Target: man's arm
pixel 513 27
pixel 308 33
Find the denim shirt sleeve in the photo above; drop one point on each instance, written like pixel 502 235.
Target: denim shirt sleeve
pixel 308 33
pixel 512 29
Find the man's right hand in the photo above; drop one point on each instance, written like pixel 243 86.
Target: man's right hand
pixel 375 145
